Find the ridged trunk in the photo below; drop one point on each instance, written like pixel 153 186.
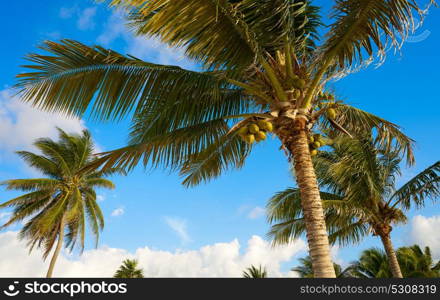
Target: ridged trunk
pixel 317 237
pixel 57 250
pixel 391 254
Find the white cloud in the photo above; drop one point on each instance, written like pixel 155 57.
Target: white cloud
pixel 424 232
pixel 4 216
pixel 21 124
pixel 142 47
pixel 100 198
pixel 179 227
pixel 67 12
pixel 256 213
pixel 216 260
pixel 86 19
pixel 118 212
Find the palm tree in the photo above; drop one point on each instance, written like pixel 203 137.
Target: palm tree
pixel 415 263
pixel 129 269
pixel 55 207
pixel 260 64
pixel 373 263
pixel 305 269
pixel 254 272
pixel 359 196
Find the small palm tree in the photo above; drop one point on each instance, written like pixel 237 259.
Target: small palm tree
pixel 359 196
pixel 262 62
pixel 414 262
pixel 305 269
pixel 129 269
pixel 373 263
pixel 56 206
pixel 254 272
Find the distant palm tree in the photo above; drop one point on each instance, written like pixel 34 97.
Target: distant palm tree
pixel 359 195
pixel 418 263
pixel 305 269
pixel 414 263
pixel 254 272
pixel 55 207
pixel 129 269
pixel 261 62
pixel 373 263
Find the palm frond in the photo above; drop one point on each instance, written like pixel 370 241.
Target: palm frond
pixel 229 151
pixel 76 78
pixel 388 135
pixel 424 185
pixel 365 27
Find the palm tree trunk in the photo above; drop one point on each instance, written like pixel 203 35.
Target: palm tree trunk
pixel 311 202
pixel 391 254
pixel 57 249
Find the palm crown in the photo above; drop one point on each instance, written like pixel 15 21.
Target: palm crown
pixel 260 61
pixel 129 269
pixel 415 263
pixel 58 205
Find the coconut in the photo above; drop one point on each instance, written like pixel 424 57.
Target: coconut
pixel 316 145
pixel 331 113
pixel 260 135
pixel 300 83
pixel 253 128
pixel 250 138
pixel 311 139
pixel 296 94
pixel 265 125
pixel 243 130
pixel 313 152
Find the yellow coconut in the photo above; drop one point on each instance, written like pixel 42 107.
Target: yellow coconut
pixel 316 145
pixel 331 113
pixel 250 138
pixel 253 128
pixel 243 130
pixel 265 125
pixel 313 152
pixel 260 135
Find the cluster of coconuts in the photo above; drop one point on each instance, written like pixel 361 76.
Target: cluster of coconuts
pixel 255 131
pixel 330 112
pixel 315 142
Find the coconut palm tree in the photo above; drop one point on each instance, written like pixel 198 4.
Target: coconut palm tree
pixel 55 207
pixel 261 70
pixel 129 269
pixel 254 272
pixel 359 195
pixel 305 270
pixel 415 263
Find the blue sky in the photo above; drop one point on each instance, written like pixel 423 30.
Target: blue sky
pixel 151 208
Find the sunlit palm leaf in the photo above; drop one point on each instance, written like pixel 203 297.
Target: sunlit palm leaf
pixel 77 77
pixel 424 185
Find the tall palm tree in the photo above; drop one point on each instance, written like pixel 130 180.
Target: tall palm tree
pixel 305 269
pixel 129 269
pixel 359 195
pixel 55 207
pixel 415 263
pixel 254 272
pixel 260 64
